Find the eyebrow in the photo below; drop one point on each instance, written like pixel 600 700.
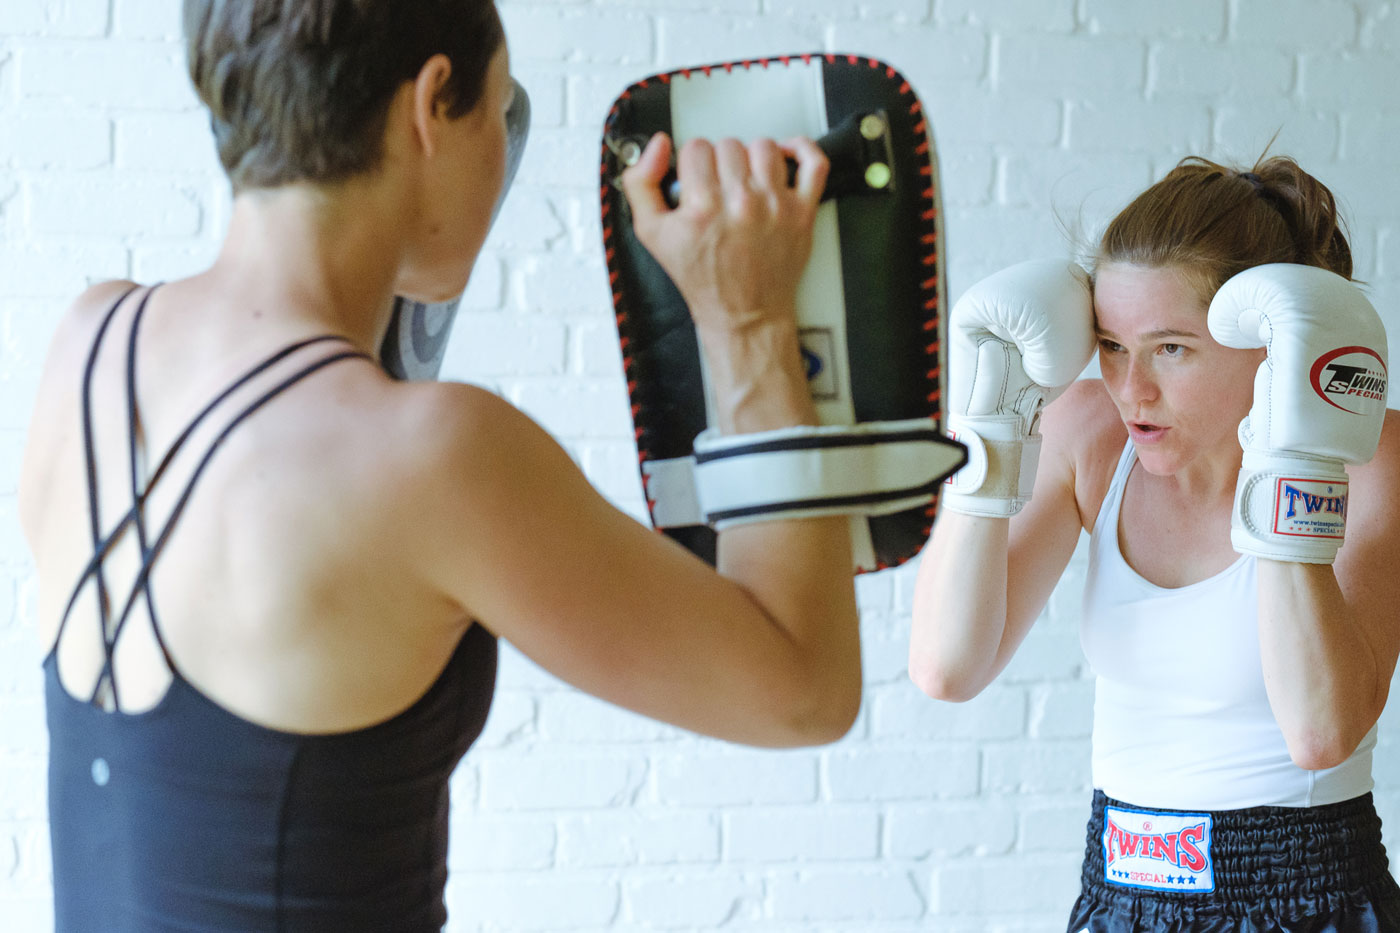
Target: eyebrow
pixel 1153 335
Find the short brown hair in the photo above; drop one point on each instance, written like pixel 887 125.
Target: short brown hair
pixel 1211 222
pixel 298 90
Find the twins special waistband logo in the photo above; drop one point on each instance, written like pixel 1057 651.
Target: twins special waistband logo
pixel 1158 850
pixel 1353 379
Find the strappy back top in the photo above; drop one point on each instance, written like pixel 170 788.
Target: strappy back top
pixel 186 816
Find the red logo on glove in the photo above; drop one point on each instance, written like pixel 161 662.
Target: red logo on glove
pixel 1352 379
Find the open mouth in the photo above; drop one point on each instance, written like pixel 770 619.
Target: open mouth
pixel 1144 431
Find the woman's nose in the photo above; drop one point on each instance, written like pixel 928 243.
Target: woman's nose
pixel 1139 382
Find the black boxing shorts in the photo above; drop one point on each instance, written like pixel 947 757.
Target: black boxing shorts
pixel 1255 870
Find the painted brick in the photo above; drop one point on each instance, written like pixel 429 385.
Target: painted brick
pixel 797 834
pixel 166 143
pixel 145 19
pixel 564 283
pixel 1334 80
pixel 904 712
pixel 489 343
pixel 917 831
pixel 1043 767
pixel 1310 24
pixel 1040 883
pixel 1073 63
pixel 1057 828
pixel 699 903
pixel 573 409
pixel 1128 125
pixel 684 40
pixel 58 270
pixel 572 717
pixel 931 60
pixel 80 206
pixel 1033 15
pixel 638 837
pixel 528 221
pixel 53 18
pixel 704 779
pixel 976 117
pixel 44 138
pixel 1381 29
pixel 1191 19
pixel 166 263
pixel 547 902
pixel 1175 69
pixel 1308 136
pixel 853 895
pixel 125 76
pixel 512 720
pixel 492 843
pixel 567 35
pixel 1062 711
pixel 911 772
pixel 514 781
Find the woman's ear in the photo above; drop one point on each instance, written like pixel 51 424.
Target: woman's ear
pixel 429 108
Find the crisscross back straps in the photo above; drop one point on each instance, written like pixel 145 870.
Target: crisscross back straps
pixel 135 517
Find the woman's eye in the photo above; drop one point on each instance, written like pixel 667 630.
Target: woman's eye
pixel 1108 346
pixel 1173 349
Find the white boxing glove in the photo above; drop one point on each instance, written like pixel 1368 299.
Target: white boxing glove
pixel 1017 339
pixel 1319 403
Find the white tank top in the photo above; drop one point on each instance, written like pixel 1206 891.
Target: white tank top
pixel 1181 719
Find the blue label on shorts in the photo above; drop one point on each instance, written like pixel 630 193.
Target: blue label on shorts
pixel 1158 850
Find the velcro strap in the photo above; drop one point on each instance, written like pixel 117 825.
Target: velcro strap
pixel 1001 463
pixel 1289 508
pixel 873 468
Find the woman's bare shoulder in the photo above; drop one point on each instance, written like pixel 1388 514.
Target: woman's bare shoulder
pixel 1084 428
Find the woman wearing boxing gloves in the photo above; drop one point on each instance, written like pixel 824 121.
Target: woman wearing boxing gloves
pixel 269 648
pixel 1236 469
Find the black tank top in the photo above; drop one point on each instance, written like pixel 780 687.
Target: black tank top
pixel 188 817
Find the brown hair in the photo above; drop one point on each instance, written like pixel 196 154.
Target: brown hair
pixel 1211 222
pixel 298 90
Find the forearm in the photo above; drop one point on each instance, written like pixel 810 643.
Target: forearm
pixel 960 597
pixel 756 377
pixel 1320 671
pixel 797 572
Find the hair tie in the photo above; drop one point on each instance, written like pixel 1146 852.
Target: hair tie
pixel 1253 179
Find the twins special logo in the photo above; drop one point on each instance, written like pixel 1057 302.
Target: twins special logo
pixel 1352 379
pixel 1157 850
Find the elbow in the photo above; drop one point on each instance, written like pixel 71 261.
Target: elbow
pixel 1320 751
pixel 943 682
pixel 824 714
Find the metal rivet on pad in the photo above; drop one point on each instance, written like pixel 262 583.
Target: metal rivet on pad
pixel 877 175
pixel 630 152
pixel 872 126
pixel 101 773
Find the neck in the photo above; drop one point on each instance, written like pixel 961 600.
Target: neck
pixel 1212 475
pixel 326 259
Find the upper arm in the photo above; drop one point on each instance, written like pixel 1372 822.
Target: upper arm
pixel 1365 564
pixel 61 371
pixel 528 548
pixel 1075 462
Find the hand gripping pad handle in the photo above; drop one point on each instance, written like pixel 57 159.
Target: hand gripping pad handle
pixel 870 304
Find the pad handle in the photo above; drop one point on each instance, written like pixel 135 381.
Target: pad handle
pixel 858 148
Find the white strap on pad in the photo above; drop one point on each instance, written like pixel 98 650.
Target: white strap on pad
pixel 873 468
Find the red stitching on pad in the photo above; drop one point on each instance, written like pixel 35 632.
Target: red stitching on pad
pixel 930 240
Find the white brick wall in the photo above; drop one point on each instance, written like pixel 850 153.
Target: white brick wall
pixel 571 815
